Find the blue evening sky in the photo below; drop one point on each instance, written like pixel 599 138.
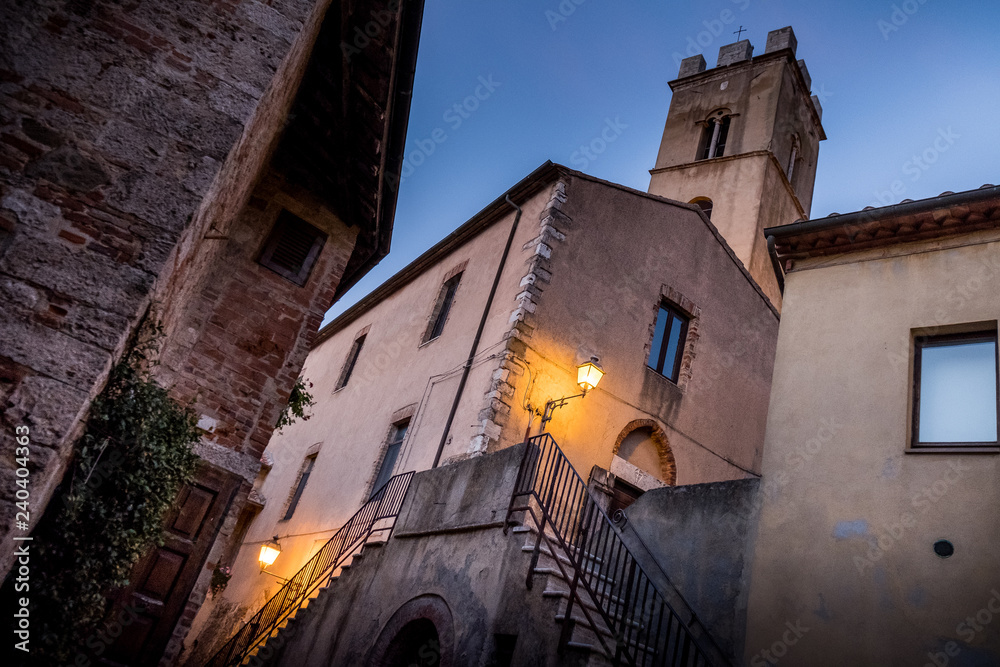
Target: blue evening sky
pixel 894 78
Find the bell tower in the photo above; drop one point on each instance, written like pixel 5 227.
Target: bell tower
pixel 741 141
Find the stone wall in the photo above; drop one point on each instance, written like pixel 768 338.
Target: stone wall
pixel 117 121
pixel 699 537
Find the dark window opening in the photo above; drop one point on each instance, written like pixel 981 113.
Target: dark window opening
pixel 713 138
pixel 705 204
pixel 668 342
pixel 292 248
pixel 352 360
pixel 396 437
pixel 417 643
pixel 503 650
pixel 955 388
pixel 442 307
pixel 792 157
pixel 300 487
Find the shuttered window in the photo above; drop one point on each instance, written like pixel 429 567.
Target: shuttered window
pixel 292 248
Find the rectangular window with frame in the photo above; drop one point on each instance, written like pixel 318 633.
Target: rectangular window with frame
pixel 396 436
pixel 442 307
pixel 351 361
pixel 292 248
pixel 300 486
pixel 668 342
pixel 955 389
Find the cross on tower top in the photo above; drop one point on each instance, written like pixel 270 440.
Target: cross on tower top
pixel 738 33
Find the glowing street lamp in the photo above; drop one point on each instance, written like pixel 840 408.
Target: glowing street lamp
pixel 268 552
pixel 588 374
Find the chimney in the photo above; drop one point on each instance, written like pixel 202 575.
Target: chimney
pixel 692 65
pixel 734 53
pixel 782 38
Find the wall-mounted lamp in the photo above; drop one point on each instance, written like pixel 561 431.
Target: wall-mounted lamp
pixel 268 553
pixel 587 376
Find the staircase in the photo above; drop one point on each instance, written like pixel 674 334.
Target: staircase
pixel 290 603
pixel 607 605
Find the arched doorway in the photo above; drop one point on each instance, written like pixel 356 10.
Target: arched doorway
pixel 420 633
pixel 641 459
pixel 417 643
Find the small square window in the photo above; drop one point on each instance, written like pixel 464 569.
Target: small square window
pixel 292 248
pixel 955 390
pixel 668 342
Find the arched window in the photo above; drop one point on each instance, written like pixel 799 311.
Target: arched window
pixel 714 136
pixel 705 204
pixel 792 157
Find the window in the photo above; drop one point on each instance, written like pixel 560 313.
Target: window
pixel 292 248
pixel 793 156
pixel 713 138
pixel 442 307
pixel 396 436
pixel 955 390
pixel 668 342
pixel 352 360
pixel 705 204
pixel 299 487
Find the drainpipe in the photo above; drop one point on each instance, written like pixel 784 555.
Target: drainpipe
pixel 475 343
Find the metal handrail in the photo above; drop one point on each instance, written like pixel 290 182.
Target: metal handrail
pixel 644 628
pixel 384 504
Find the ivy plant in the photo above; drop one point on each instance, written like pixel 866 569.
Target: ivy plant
pixel 298 401
pixel 126 471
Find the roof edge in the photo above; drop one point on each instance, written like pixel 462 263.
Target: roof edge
pixel 804 227
pixel 491 213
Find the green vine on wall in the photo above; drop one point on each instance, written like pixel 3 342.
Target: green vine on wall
pixel 298 401
pixel 127 469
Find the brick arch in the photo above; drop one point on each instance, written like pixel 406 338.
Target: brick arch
pixel 668 467
pixel 428 607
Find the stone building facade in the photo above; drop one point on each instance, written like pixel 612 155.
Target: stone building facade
pixel 860 530
pixel 224 168
pixel 876 497
pixel 469 350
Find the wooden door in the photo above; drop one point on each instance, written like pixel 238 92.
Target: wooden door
pixel 162 579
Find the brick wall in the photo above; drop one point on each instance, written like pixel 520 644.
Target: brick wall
pixel 117 119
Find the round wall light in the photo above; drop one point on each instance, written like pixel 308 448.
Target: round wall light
pixel 944 548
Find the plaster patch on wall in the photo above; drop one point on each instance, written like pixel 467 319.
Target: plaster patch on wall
pixel 917 596
pixel 822 612
pixel 845 530
pixel 891 468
